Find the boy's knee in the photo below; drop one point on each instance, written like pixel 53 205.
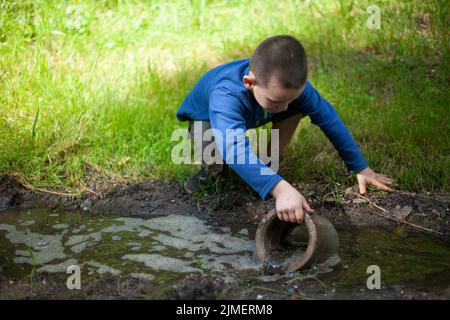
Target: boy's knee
pixel 197 129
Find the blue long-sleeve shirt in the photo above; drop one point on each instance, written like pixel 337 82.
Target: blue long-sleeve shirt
pixel 221 98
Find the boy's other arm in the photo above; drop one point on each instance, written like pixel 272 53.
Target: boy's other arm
pixel 325 116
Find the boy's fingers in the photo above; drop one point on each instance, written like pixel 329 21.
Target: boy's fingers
pixel 292 216
pixel 299 215
pixel 286 217
pixel 379 185
pixel 362 187
pixel 307 207
pixel 385 179
pixel 280 215
pixel 385 176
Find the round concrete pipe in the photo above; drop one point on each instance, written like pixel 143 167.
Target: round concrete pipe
pixel 323 241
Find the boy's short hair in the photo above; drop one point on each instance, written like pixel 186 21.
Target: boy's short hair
pixel 282 56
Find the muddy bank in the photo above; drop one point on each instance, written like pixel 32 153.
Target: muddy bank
pixel 237 204
pixel 198 287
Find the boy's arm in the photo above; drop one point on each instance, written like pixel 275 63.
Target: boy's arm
pixel 225 113
pixel 325 116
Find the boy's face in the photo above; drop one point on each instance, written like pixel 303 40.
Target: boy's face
pixel 274 97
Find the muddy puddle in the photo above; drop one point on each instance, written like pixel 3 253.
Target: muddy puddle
pixel 178 254
pixel 158 247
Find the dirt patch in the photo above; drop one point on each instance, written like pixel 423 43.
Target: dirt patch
pixel 199 287
pixel 239 205
pixel 141 199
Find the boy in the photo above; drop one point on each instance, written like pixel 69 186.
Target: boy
pixel 271 86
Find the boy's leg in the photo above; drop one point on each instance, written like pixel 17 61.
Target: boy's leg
pixel 287 128
pixel 194 183
pixel 286 122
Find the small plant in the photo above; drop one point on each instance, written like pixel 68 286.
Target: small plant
pixel 163 291
pixel 34 266
pixel 199 263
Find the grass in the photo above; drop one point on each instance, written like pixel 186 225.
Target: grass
pixel 89 89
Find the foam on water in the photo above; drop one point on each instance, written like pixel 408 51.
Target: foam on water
pixel 125 245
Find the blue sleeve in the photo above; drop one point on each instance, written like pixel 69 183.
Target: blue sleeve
pixel 225 112
pixel 326 118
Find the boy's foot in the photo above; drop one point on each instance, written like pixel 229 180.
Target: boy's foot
pixel 202 179
pixel 195 183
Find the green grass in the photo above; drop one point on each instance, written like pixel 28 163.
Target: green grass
pixel 89 89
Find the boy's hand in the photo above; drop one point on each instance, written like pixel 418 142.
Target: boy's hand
pixel 289 203
pixel 368 176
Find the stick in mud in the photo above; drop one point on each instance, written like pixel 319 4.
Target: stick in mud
pixel 398 220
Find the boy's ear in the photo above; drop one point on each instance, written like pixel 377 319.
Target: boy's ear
pixel 249 81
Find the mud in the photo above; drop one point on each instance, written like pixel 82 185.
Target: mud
pixel 124 213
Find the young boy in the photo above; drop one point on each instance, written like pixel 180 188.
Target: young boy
pixel 271 86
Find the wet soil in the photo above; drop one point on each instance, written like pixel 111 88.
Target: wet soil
pixel 237 209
